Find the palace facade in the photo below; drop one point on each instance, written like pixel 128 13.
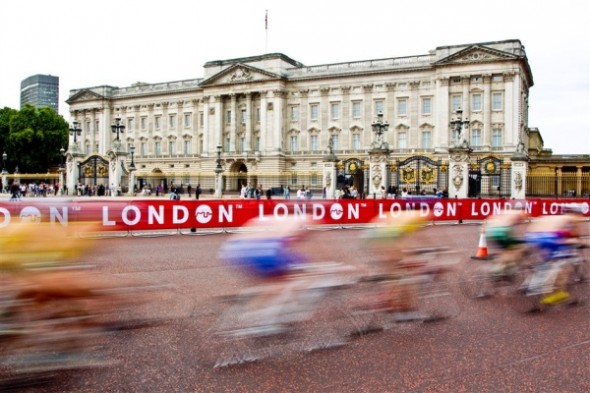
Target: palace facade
pixel 269 120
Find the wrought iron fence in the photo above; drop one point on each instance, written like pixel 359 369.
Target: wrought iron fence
pixel 558 186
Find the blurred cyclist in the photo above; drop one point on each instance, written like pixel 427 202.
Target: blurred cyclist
pixel 557 237
pixel 501 230
pixel 392 242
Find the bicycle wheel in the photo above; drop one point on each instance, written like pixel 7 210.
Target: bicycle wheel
pixel 518 297
pixel 234 339
pixel 369 301
pixel 330 323
pixel 579 282
pixel 475 282
pixel 437 300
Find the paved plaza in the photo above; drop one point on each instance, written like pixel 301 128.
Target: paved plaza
pixel 488 347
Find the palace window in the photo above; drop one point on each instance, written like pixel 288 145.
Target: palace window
pixel 293 140
pixel 402 140
pixel 294 113
pixel 455 102
pixel 201 119
pixel 158 148
pixel 158 122
pixel 187 147
pixel 143 149
pixel 313 143
pixel 426 139
pixel 402 107
pixel 172 147
pixel 314 179
pixel 476 102
pixel 313 112
pixel 426 105
pixel 228 117
pixel 130 124
pixel 356 110
pixel 144 123
pixel 476 137
pixel 335 111
pixel 243 116
pixel 172 121
pixel 497 101
pixel 497 137
pixel 188 120
pixel 379 107
pixel 356 141
pixel 335 141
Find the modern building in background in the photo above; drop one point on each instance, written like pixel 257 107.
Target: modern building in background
pixel 40 91
pixel 403 123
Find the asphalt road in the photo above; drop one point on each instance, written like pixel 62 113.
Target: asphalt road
pixel 488 347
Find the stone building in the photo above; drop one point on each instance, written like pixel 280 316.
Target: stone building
pixel 455 118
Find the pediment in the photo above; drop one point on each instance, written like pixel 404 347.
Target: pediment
pixel 84 95
pixel 476 54
pixel 240 73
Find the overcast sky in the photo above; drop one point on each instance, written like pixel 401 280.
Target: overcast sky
pixel 91 43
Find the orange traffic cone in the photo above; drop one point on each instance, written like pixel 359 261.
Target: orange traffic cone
pixel 482 249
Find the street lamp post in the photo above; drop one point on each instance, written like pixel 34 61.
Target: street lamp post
pixel 458 124
pixel 378 155
pixel 118 128
pixel 379 128
pixel 132 172
pixel 62 169
pixel 218 177
pixel 4 173
pixel 75 131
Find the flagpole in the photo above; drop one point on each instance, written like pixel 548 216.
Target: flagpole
pixel 266 32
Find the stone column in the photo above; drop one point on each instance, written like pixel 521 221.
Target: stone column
pixel 329 175
pixel 131 191
pixel 233 123
pixel 105 130
pixel 72 171
pixel 487 111
pixel 441 138
pixel 116 159
pixel 249 120
pixel 280 99
pixel 518 173
pixel 218 105
pixel 377 171
pixel 367 113
pixel 459 172
pixel 205 127
pixel 61 172
pixel 264 111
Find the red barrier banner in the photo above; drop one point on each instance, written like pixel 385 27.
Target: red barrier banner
pixel 151 214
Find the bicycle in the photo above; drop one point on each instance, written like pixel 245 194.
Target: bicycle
pixel 422 294
pixel 484 278
pixel 305 312
pixel 55 313
pixel 537 290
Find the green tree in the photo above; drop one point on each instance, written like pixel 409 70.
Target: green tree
pixel 34 138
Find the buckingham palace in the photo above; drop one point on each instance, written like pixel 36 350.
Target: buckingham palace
pixel 454 119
